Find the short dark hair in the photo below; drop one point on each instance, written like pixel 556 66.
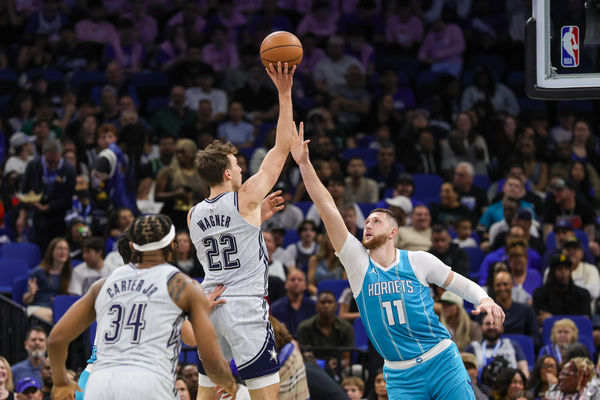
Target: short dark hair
pixel 388 213
pixel 439 228
pixel 322 292
pixel 213 161
pixel 34 328
pixel 94 243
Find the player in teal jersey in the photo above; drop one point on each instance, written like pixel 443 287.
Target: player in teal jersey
pixel 391 288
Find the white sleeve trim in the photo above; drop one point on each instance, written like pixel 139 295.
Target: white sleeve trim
pixel 428 268
pixel 355 259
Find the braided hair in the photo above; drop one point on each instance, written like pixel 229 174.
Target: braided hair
pixel 123 246
pixel 148 229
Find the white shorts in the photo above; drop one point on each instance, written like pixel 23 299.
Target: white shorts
pixel 246 336
pixel 127 382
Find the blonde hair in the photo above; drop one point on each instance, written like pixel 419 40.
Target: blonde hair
pixel 8 385
pixel 564 323
pixel 462 338
pixel 354 381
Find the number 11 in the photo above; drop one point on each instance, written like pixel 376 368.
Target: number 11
pixel 387 305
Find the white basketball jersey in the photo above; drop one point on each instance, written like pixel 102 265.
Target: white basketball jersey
pixel 231 250
pixel 139 325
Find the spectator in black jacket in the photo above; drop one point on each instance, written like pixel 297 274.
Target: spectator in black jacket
pixel 559 295
pixel 448 252
pixel 54 178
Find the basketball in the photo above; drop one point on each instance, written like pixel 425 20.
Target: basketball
pixel 281 46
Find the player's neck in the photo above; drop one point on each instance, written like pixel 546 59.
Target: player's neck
pixel 152 258
pixel 220 189
pixel 384 255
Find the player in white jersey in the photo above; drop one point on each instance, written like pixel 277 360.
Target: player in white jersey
pixel 225 228
pixel 140 308
pixel 391 288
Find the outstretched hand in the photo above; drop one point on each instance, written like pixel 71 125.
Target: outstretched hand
pixel 299 149
pixel 488 306
pixel 270 205
pixel 213 297
pixel 282 76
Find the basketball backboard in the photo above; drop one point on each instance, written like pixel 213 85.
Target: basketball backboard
pixel 562 40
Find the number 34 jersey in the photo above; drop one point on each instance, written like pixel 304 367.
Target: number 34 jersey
pixel 231 250
pixel 395 302
pixel 139 325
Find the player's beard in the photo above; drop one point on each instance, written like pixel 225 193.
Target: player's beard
pixel 375 242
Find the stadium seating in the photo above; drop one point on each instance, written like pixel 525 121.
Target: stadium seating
pixel 482 181
pixel 475 259
pixel 526 344
pixel 361 340
pixel 584 325
pixel 427 187
pixel 291 236
pixel 28 252
pixel 304 206
pixel 61 304
pixel 19 287
pixel 581 235
pixel 11 269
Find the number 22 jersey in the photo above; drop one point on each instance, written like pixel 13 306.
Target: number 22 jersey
pixel 395 303
pixel 231 250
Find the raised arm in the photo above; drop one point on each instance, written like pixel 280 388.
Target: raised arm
pixel 188 295
pixel 258 185
pixel 72 324
pixel 336 229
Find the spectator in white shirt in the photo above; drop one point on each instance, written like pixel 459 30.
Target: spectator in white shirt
pixel 21 146
pixel 91 269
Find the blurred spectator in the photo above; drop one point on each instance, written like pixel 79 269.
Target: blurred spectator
pixel 454 317
pixel 404 185
pixel 403 28
pixel 508 383
pixel 417 236
pixel 205 89
pixel 523 277
pixel 324 265
pixel 424 156
pixel 322 21
pixel 186 70
pixel 127 51
pixel 449 253
pixel 584 275
pixel 54 179
pixel 386 170
pixel 271 14
pixel 349 216
pixel 536 171
pixel 330 72
pixel 202 127
pixel 47 381
pixel 486 89
pixel 236 130
pixel 471 196
pixel 493 346
pixel 584 144
pixel 312 54
pixel 35 345
pixel 513 188
pixel 354 387
pixel 290 217
pixel 562 158
pixel 402 207
pixel 443 47
pixel 96 28
pixel 563 230
pixel 229 16
pixel 175 116
pixel 295 306
pixel 311 332
pixel 71 55
pixel 559 295
pixel 29 389
pixel 359 48
pixel 172 50
pixel 564 332
pixel 184 393
pixel 21 111
pixel 586 180
pixel 464 232
pixel 335 186
pixel 512 214
pixel 184 256
pixel 565 204
pixel 277 272
pixel 353 97
pixel 77 231
pixel 379 390
pixel 465 144
pixel 306 247
pixel 109 107
pixel 257 96
pixel 470 363
pixel 91 269
pixel 34 53
pixel 220 53
pixel 144 24
pixel 463 8
pixel 22 150
pixel 178 184
pixel 359 188
pixel 544 374
pixel 48 280
pixel 48 21
pixel 520 317
pixel 449 209
pixel 191 19
pixel 348 307
pixel 577 379
pixel 6 380
pixel 189 374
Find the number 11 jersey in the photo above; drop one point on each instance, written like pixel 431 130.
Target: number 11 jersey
pixel 231 250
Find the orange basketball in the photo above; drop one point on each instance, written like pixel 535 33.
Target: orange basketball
pixel 281 46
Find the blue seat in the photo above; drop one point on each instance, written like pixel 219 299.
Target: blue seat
pixel 28 252
pixel 88 78
pixel 526 344
pixel 475 259
pixel 427 187
pixel 291 236
pixel 582 106
pixel 150 79
pixel 8 80
pixel 361 340
pixel 516 80
pixel 304 206
pixel 75 262
pixel 336 286
pixel 427 79
pixel 367 154
pixel 19 287
pixel 482 181
pixel 528 105
pixel 51 75
pixel 584 325
pixel 366 208
pixel 61 304
pixel 589 343
pixel 11 269
pixel 188 354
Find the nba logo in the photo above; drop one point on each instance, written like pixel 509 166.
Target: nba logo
pixel 569 39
